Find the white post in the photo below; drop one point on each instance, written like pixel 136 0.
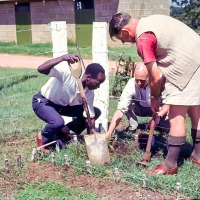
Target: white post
pixel 59 38
pixel 100 55
pixel 59 41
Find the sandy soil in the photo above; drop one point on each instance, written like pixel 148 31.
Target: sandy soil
pixel 24 61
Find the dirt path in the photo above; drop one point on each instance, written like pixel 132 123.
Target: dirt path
pixel 24 61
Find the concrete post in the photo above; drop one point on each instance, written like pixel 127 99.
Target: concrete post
pixel 59 38
pixel 59 41
pixel 100 55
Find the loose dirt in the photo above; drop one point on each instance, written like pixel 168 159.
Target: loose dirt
pixel 101 187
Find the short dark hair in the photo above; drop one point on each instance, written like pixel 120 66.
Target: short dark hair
pixel 117 22
pixel 94 69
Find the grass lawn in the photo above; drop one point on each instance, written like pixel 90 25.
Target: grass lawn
pixel 46 50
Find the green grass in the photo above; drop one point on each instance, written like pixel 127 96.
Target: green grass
pixel 45 49
pixel 28 49
pixel 52 190
pixel 17 86
pixel 18 120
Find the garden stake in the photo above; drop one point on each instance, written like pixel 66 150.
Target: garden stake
pixel 116 175
pixel 88 167
pixel 147 155
pixel 66 160
pixel 52 158
pixel 33 156
pixel 75 139
pixel 144 179
pixel 57 147
pixel 178 189
pixel 19 160
pixel 136 142
pixel 7 167
pixel 116 138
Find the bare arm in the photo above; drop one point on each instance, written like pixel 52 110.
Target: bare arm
pixel 48 65
pixel 155 85
pixel 114 122
pixel 164 110
pixel 154 79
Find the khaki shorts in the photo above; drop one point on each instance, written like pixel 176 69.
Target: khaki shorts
pixel 189 96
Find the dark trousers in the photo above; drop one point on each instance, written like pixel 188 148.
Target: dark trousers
pixel 51 114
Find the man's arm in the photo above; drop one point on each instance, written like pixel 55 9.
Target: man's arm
pixel 46 67
pixel 163 111
pixel 154 79
pixel 155 85
pixel 123 105
pixel 114 122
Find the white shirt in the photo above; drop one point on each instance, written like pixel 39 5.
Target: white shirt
pixel 133 92
pixel 62 89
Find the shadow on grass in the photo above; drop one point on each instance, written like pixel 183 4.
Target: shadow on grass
pixel 14 82
pixel 159 146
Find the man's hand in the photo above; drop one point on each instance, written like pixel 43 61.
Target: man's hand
pixel 71 58
pixel 110 139
pixel 157 120
pixel 155 104
pixel 108 135
pixel 46 67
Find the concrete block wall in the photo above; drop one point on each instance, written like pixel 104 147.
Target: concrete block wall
pixel 7 23
pixel 43 13
pixel 142 8
pixel 137 8
pixel 41 16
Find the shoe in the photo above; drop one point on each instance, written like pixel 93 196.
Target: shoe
pixel 162 170
pixel 64 137
pixel 195 161
pixel 40 143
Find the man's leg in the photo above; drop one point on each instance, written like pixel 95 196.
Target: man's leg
pixel 48 112
pixel 132 119
pixel 194 114
pixel 177 137
pixel 164 124
pixel 78 123
pixel 136 109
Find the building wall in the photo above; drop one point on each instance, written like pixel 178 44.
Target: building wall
pixel 43 13
pixel 104 9
pixel 7 23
